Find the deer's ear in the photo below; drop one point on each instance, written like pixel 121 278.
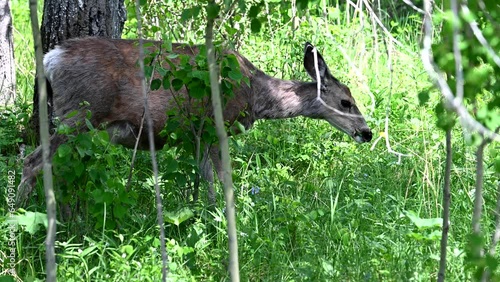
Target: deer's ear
pixel 310 67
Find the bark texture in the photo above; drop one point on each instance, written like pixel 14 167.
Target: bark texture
pixel 7 65
pixel 65 19
pixel 79 18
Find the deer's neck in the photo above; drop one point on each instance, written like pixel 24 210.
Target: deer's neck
pixel 276 98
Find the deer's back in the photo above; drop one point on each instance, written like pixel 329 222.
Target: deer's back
pixel 104 73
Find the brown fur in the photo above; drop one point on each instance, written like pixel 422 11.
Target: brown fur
pixel 104 73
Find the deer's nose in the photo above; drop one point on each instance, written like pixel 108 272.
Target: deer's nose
pixel 366 134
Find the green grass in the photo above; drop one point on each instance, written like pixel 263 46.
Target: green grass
pixel 326 209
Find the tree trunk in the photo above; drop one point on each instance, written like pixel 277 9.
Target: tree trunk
pixel 76 18
pixel 65 19
pixel 7 69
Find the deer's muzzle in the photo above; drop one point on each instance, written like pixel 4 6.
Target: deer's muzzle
pixel 363 135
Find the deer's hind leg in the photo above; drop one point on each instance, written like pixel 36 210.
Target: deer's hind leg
pixel 33 164
pixel 211 160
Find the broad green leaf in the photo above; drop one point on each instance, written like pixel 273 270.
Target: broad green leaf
pixel 119 211
pixel 212 10
pixel 177 84
pixel 63 150
pixel 7 278
pixel 179 216
pixel 78 168
pixel 31 221
pixel 423 96
pixel 235 75
pixel 202 75
pixel 166 83
pixel 197 88
pixel 255 25
pixel 156 84
pixel 254 11
pixel 424 223
pixel 171 165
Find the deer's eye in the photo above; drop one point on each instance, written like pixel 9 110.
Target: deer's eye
pixel 345 103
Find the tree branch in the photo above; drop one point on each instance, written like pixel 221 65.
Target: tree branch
pixel 50 199
pixel 224 148
pixel 446 207
pixel 496 235
pixel 452 103
pixel 478 197
pixel 147 114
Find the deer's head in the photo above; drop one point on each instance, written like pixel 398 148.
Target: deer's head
pixel 337 106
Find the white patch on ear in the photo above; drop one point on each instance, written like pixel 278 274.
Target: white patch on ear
pixel 51 61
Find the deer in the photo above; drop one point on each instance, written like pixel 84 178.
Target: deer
pixel 104 74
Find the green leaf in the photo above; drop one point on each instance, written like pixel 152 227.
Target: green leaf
pixel 497 164
pixel 155 84
pixel 171 165
pixel 7 278
pixel 302 4
pixel 63 150
pixel 72 114
pixel 212 10
pixel 97 196
pixel 78 168
pixel 235 75
pixel 177 84
pixel 190 13
pixel 119 211
pixel 89 251
pixel 31 221
pixel 107 197
pixel 148 70
pixel 255 25
pixel 423 97
pixel 179 216
pixel 197 89
pixel 202 75
pixel 103 135
pixel 232 61
pixel 242 6
pixel 424 223
pixel 166 83
pixel 84 140
pixel 88 123
pixel 254 11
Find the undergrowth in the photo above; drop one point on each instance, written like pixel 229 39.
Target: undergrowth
pixel 311 204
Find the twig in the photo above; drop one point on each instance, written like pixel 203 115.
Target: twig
pixel 496 235
pixel 478 197
pixel 224 148
pixel 459 72
pixel 134 154
pixel 382 26
pixel 50 198
pixel 446 207
pixel 136 145
pixel 409 3
pixel 159 208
